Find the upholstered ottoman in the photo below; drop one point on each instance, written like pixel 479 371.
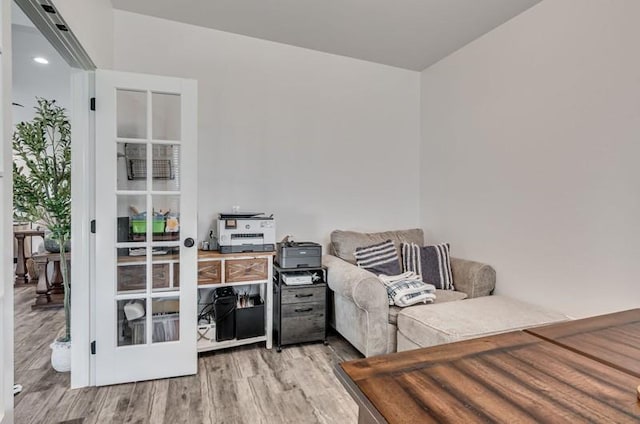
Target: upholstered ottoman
pixel 431 325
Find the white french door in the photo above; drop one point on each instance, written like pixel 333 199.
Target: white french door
pixel 146 203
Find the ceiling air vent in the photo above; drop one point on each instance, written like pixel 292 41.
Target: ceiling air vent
pixel 48 8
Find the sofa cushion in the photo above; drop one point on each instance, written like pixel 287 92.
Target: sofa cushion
pixel 393 314
pixel 442 296
pixel 344 243
pixel 431 325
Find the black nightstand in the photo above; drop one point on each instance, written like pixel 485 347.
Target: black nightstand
pixel 300 312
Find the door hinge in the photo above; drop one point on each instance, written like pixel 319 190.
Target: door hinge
pixel 93 347
pixel 92 103
pixel 93 226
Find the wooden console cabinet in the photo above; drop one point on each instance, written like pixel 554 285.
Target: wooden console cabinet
pixel 216 270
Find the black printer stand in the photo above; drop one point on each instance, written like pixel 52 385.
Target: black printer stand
pixel 300 312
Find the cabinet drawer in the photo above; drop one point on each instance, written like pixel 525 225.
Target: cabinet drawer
pixel 303 322
pixel 160 276
pixel 209 272
pixel 134 277
pixel 238 270
pixel 305 294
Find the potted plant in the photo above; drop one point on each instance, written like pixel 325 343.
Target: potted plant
pixel 42 193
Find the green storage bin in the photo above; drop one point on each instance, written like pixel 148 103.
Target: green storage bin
pixel 139 226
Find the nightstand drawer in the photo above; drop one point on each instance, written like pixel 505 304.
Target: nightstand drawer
pixel 209 272
pixel 303 322
pixel 238 270
pixel 292 295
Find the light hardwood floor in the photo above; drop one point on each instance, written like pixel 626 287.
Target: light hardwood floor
pixel 243 385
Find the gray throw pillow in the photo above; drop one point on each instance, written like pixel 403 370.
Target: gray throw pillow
pixel 433 263
pixel 381 258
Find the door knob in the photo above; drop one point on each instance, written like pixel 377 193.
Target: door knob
pixel 189 242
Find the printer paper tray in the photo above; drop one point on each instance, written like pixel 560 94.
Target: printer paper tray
pixel 241 241
pixel 248 248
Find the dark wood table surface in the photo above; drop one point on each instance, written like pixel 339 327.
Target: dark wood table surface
pixel 513 377
pixel 613 339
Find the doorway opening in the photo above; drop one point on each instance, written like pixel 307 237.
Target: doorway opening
pixel 41 91
pixel 46 62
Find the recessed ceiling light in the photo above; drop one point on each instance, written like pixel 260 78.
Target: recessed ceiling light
pixel 41 60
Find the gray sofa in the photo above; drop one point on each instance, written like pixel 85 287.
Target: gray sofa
pixel 361 312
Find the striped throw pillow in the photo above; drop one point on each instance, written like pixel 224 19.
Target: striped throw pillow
pixel 381 258
pixel 433 263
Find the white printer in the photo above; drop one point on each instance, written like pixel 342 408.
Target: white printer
pixel 246 232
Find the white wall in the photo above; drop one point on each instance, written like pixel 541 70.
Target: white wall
pixel 91 21
pixel 530 150
pixel 321 141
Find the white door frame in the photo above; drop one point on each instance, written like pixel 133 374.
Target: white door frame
pixel 6 220
pixel 82 212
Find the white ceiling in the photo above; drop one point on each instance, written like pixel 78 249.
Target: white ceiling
pixel 410 34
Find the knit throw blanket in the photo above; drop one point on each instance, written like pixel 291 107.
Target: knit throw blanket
pixel 408 289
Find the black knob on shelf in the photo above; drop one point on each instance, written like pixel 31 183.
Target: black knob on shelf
pixel 189 242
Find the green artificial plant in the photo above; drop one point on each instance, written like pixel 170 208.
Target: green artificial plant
pixel 42 180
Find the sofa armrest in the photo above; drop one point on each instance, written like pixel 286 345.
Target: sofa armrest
pixel 473 278
pixel 356 284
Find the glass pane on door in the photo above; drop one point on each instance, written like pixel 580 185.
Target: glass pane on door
pixel 176 274
pixel 166 319
pixel 166 218
pixel 131 159
pixel 165 262
pixel 131 115
pixel 131 220
pixel 166 116
pixel 131 274
pixel 132 323
pixel 166 170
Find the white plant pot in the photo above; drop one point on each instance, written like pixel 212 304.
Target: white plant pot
pixel 61 356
